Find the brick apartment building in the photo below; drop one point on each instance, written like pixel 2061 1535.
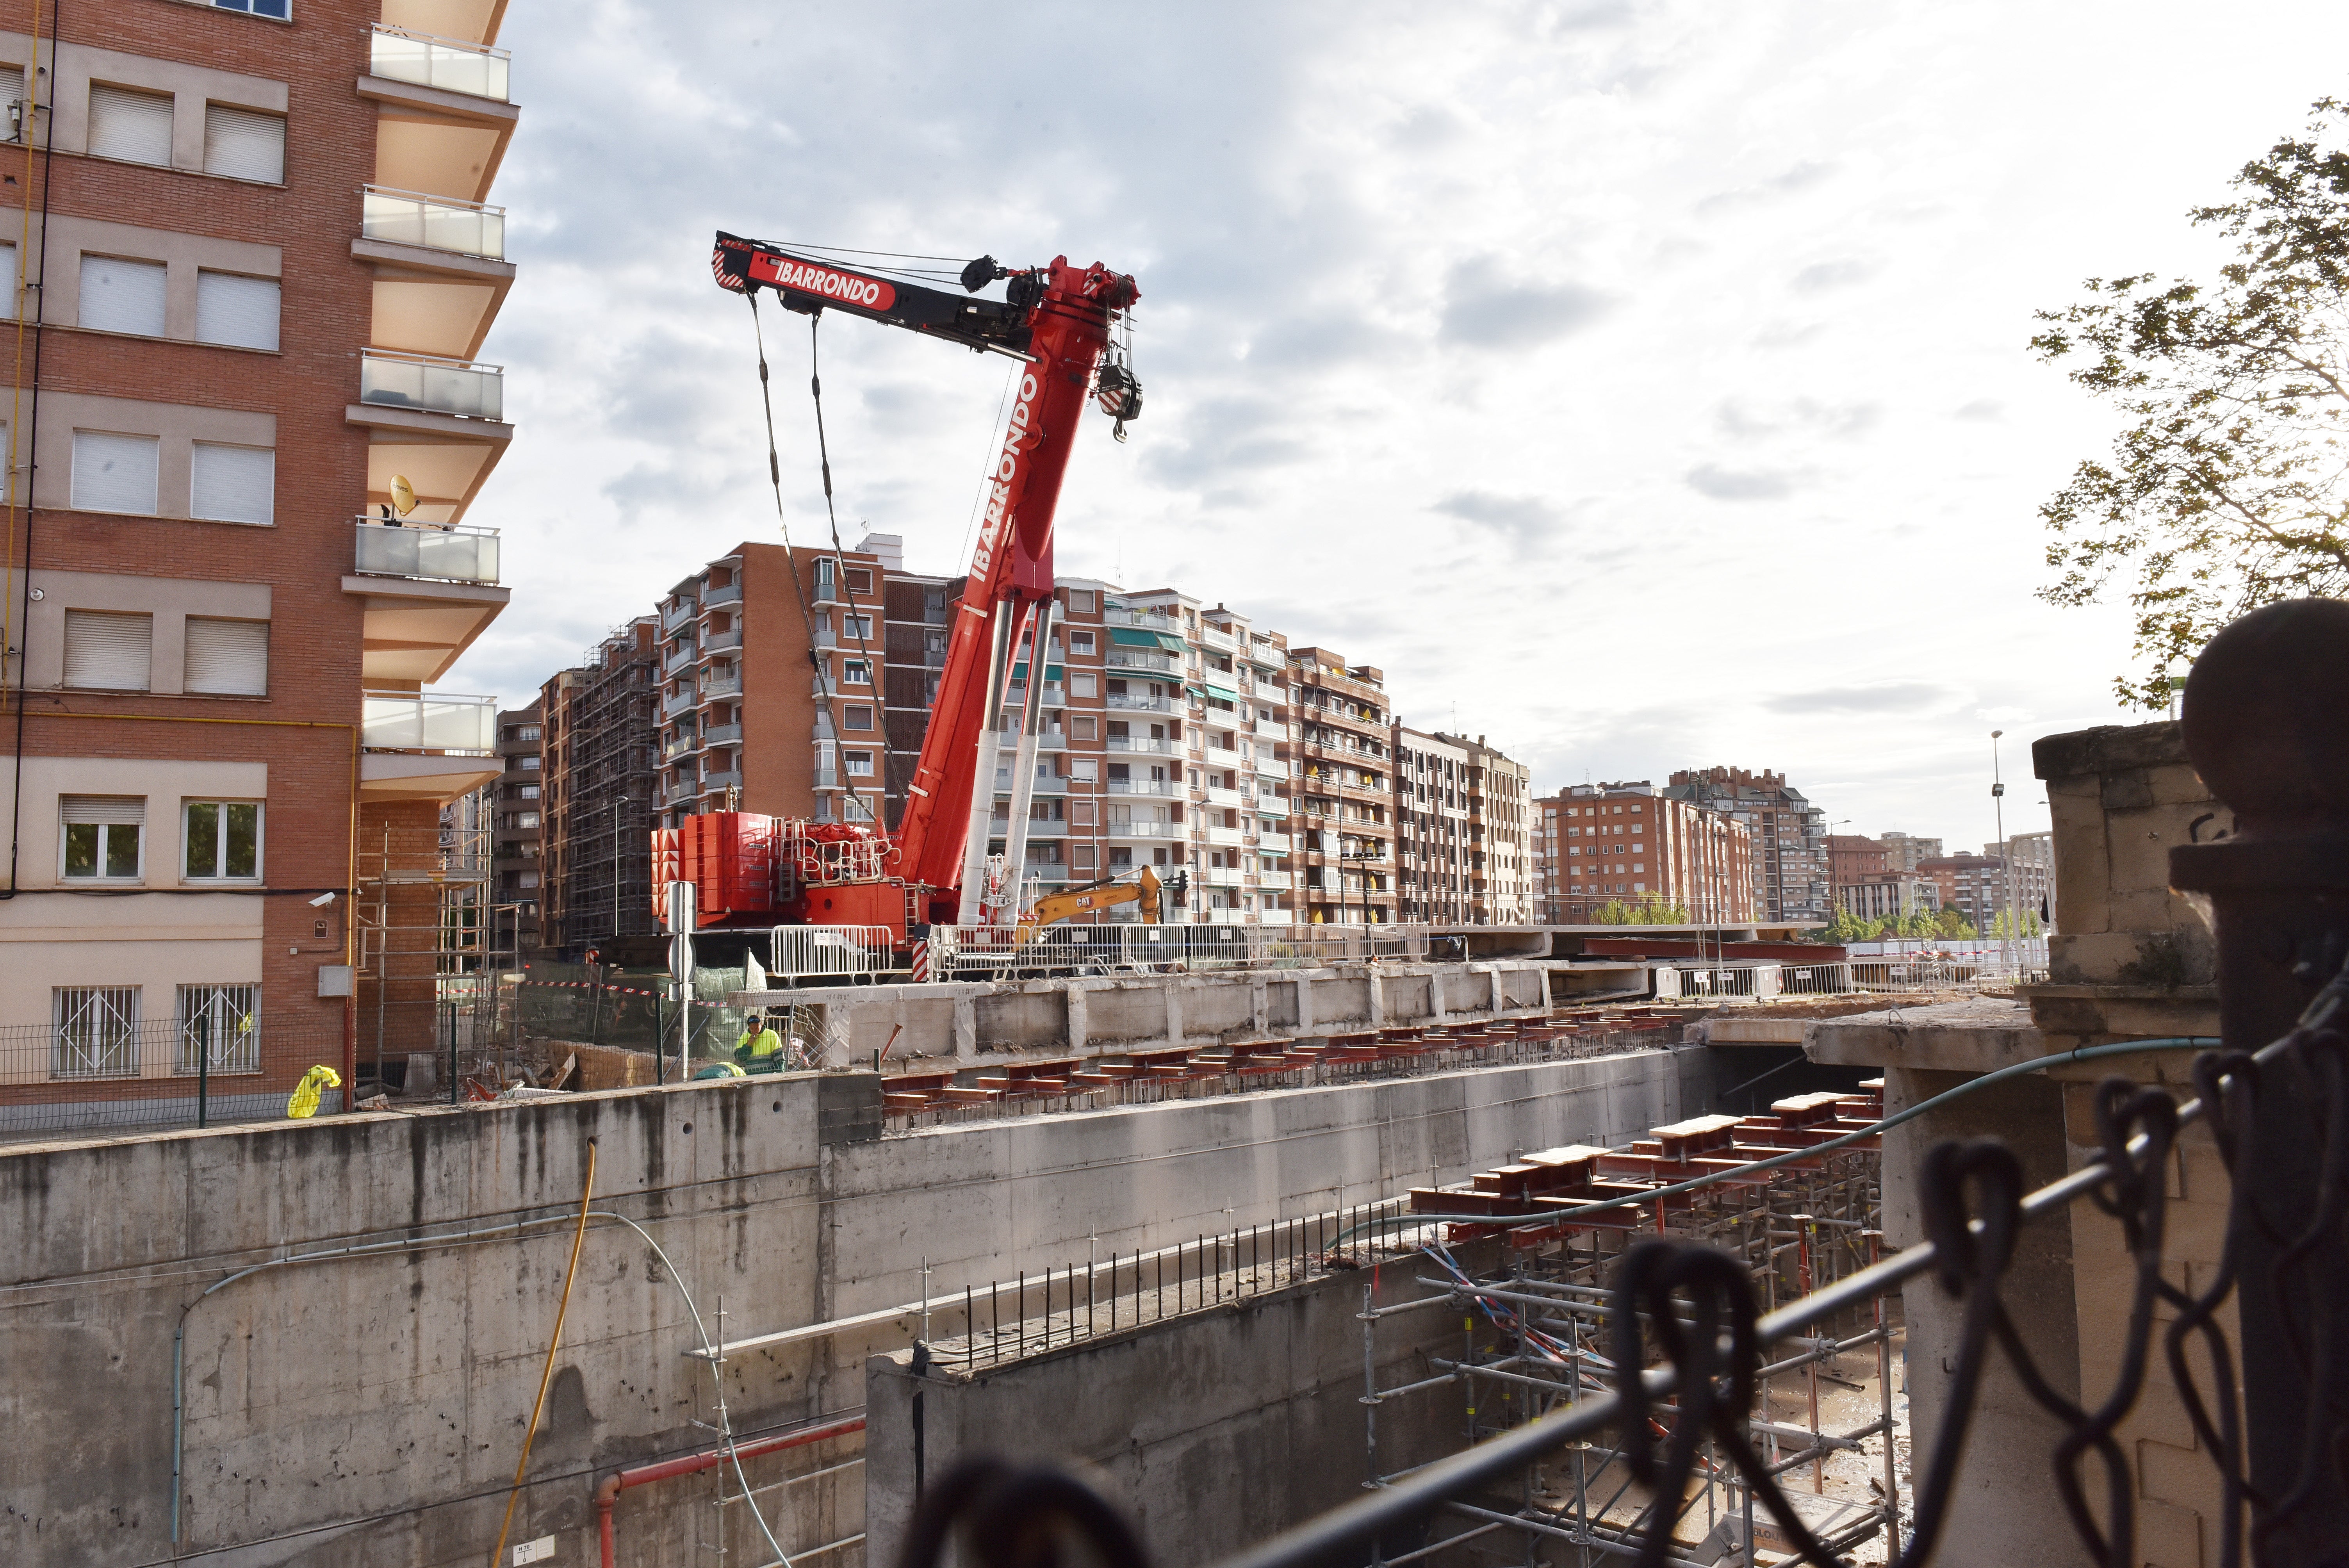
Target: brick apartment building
pixel 1888 896
pixel 1902 851
pixel 1978 886
pixel 257 263
pixel 1791 878
pixel 1163 738
pixel 1346 791
pixel 1626 843
pixel 1463 811
pixel 598 800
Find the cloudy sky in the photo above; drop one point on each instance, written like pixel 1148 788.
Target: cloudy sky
pixel 1640 385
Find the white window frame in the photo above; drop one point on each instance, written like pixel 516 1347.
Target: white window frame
pixel 857 764
pixel 100 876
pixel 855 673
pixel 220 843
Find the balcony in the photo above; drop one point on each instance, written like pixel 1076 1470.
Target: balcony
pixel 1165 787
pixel 674 619
pixel 1221 876
pixel 1128 702
pixel 1143 831
pixel 682 702
pixel 721 734
pixel 1219 796
pixel 730 594
pixel 425 593
pixel 431 223
pixel 1272 843
pixel 1047 740
pixel 710 782
pixel 431 385
pixel 719 642
pixel 445 64
pixel 1264 731
pixel 426 746
pixel 1148 620
pixel 1274 882
pixel 1223 642
pixel 728 685
pixel 685 745
pixel 1264 655
pixel 1222 757
pixel 1270 806
pixel 1150 745
pixel 1228 838
pixel 677 658
pixel 1135 659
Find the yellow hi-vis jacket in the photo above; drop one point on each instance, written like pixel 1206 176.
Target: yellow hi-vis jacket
pixel 760 1046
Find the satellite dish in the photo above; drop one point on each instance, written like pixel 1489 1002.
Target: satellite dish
pixel 403 495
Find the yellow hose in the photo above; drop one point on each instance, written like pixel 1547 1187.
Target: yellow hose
pixel 547 1375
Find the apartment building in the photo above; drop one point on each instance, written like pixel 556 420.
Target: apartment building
pixel 1851 856
pixel 1500 829
pixel 1345 788
pixel 599 794
pixel 1435 853
pixel 1631 843
pixel 1888 896
pixel 1979 886
pixel 518 838
pixel 257 264
pixel 1790 879
pixel 1902 851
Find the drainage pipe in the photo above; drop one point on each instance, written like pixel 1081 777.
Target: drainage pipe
pixel 608 1491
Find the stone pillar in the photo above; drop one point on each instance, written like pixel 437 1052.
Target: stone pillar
pixel 1173 992
pixel 1260 1006
pixel 1435 995
pixel 1376 992
pixel 966 1028
pixel 1072 995
pixel 2266 720
pixel 1304 1001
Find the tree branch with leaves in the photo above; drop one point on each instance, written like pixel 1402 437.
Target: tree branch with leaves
pixel 2230 488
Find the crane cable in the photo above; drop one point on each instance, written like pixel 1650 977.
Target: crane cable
pixel 855 622
pixel 824 692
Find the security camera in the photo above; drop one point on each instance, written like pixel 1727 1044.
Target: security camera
pixel 321 900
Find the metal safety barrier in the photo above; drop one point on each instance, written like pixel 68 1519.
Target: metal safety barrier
pixel 800 952
pixel 997 952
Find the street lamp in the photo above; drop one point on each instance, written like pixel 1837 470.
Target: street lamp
pixel 2005 851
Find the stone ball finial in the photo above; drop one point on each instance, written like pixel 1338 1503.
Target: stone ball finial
pixel 2266 715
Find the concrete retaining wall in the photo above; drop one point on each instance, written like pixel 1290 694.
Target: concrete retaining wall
pixel 367 1410
pixel 1091 1016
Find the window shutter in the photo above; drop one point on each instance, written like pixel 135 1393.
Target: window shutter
pixel 78 810
pixel 238 311
pixel 107 651
pixel 118 295
pixel 233 484
pixel 228 658
pixel 114 473
pixel 244 145
pixel 132 126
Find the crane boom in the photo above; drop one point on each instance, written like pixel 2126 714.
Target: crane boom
pixel 1056 320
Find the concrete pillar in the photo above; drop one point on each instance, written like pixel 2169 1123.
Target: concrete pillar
pixel 1259 1008
pixel 1374 987
pixel 966 1028
pixel 1173 991
pixel 1072 994
pixel 1435 995
pixel 1304 1003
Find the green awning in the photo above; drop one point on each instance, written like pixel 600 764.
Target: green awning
pixel 1227 693
pixel 1134 637
pixel 1052 673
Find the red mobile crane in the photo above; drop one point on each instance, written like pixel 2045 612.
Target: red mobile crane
pixel 759 871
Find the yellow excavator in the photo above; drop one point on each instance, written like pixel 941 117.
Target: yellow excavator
pixel 1107 893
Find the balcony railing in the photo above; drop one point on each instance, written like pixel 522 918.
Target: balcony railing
pixel 431 61
pixel 677 658
pixel 1046 740
pixel 1149 620
pixel 1274 882
pixel 1136 659
pixel 730 686
pixel 1270 805
pixel 1264 731
pixel 677 615
pixel 1217 638
pixel 684 745
pixel 732 594
pixel 683 702
pixel 717 642
pixel 721 734
pixel 440 554
pixel 1272 843
pixel 1143 830
pixel 1153 745
pixel 1221 876
pixel 721 781
pixel 427 722
pixel 1144 786
pixel 406 218
pixel 1223 756
pixel 1219 796
pixel 460 386
pixel 1131 703
pixel 1224 836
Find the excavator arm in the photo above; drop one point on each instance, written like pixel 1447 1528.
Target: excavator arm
pixel 1056 320
pixel 1109 893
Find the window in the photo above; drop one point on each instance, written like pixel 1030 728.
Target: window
pixel 233 484
pixel 1082 599
pixel 527 764
pixel 12 101
pixel 119 296
pixel 240 311
pixel 114 473
pixel 102 835
pixel 132 126
pixel 860 764
pixel 280 9
pixel 222 838
pixel 860 580
pixel 857 628
pixel 529 732
pixel 220 1027
pixel 1082 684
pixel 1081 725
pixel 244 145
pixel 227 658
pixel 1080 641
pixel 106 652
pixel 529 792
pixel 855 672
pixel 95 1031
pixel 856 718
pixel 526 820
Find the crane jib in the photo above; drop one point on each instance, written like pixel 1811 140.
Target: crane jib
pixel 826 283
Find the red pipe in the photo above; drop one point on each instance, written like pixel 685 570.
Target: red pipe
pixel 609 1489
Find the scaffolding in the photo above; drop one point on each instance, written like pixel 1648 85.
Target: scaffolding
pixel 600 732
